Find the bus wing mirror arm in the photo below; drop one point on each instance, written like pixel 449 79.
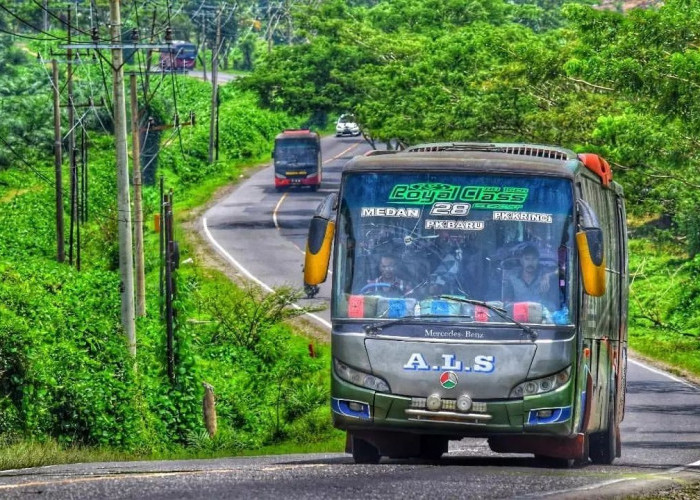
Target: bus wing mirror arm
pixel 320 242
pixel 589 242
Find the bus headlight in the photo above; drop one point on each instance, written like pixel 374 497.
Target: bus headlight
pixel 357 377
pixel 541 385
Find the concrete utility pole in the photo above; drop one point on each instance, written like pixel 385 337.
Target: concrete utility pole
pixel 71 139
pixel 126 265
pixel 58 164
pixel 214 87
pixel 138 211
pixel 290 21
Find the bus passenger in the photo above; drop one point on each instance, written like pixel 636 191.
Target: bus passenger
pixel 531 283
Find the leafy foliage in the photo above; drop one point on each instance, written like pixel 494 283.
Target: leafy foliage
pixel 64 369
pixel 622 85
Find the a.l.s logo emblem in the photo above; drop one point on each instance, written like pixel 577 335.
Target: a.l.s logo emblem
pixel 448 380
pixel 481 364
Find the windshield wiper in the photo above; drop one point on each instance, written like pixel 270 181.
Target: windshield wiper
pixel 498 310
pixel 375 328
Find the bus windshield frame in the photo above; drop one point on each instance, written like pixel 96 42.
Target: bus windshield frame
pixel 407 241
pixel 296 152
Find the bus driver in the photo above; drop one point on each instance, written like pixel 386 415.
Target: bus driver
pixel 388 279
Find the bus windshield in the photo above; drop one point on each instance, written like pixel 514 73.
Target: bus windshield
pixel 413 244
pixel 296 152
pixel 185 50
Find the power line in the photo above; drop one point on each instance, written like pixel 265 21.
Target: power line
pixel 27 164
pixel 26 36
pixel 29 24
pixel 62 21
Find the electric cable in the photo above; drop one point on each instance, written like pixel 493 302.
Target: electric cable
pixel 29 24
pixel 27 37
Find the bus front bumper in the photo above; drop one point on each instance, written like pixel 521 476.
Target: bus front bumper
pixel 297 181
pixel 357 408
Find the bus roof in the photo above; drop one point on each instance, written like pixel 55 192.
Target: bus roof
pixel 296 134
pixel 503 158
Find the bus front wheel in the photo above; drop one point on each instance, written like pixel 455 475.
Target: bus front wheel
pixel 603 444
pixel 363 452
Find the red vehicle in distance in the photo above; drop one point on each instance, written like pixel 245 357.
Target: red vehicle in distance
pixel 297 159
pixel 179 57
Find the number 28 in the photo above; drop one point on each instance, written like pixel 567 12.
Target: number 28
pixel 450 209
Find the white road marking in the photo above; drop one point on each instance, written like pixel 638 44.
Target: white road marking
pixel 292 467
pixel 683 467
pixel 582 488
pixel 660 372
pixel 680 381
pixel 249 275
pixel 675 470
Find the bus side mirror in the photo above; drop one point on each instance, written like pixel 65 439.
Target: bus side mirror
pixel 272 153
pixel 320 242
pixel 591 254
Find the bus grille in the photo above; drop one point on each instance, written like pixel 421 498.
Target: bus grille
pixel 448 413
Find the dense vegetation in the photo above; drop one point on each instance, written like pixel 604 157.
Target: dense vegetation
pixel 624 85
pixel 64 370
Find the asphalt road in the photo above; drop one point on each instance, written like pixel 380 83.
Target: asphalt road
pixel 262 234
pixel 221 78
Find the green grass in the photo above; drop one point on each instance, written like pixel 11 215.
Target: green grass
pixel 664 304
pixel 35 454
pixel 200 194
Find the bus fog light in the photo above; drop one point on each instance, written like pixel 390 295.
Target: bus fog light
pixel 355 406
pixel 449 404
pixel 464 403
pixel 544 413
pixel 433 402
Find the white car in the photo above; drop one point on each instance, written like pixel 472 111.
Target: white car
pixel 346 125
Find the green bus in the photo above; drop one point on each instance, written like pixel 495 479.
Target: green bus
pixel 479 290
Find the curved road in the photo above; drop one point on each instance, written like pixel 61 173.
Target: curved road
pixel 262 233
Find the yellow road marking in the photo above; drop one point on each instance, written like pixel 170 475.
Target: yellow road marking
pixel 277 207
pixel 281 200
pixel 134 475
pixel 343 152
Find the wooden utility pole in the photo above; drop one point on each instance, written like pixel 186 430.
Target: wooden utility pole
pixel 126 265
pixel 58 164
pixel 214 86
pixel 138 212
